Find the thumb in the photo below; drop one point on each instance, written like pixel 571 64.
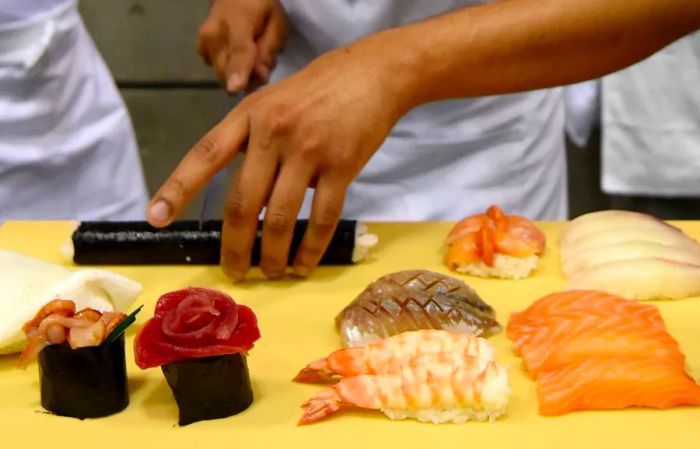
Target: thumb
pixel 242 52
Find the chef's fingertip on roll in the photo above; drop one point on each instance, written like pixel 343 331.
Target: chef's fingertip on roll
pixel 189 243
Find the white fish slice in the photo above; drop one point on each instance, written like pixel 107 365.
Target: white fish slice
pixel 595 222
pixel 621 234
pixel 635 249
pixel 26 284
pixel 642 279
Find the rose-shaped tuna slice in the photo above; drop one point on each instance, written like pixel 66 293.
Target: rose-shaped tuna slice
pixel 194 323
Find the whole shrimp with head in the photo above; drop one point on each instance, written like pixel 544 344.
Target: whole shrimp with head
pixel 494 245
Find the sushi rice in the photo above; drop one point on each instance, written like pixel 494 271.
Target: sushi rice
pixel 506 267
pixel 493 404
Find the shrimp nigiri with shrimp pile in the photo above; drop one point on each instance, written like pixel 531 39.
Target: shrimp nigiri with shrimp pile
pixel 428 375
pixel 494 245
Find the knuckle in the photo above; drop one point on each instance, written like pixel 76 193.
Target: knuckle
pixel 279 121
pixel 230 257
pixel 310 145
pixel 208 30
pixel 277 223
pixel 175 189
pixel 209 151
pixel 324 228
pixel 327 218
pixel 237 210
pixel 240 46
pixel 343 163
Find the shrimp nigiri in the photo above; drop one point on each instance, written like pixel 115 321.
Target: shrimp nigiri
pixel 494 245
pixel 391 354
pixel 437 388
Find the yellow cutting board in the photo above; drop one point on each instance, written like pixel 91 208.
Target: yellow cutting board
pixel 296 321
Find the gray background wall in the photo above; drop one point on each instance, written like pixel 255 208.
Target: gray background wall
pixel 173 97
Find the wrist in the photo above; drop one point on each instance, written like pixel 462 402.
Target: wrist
pixel 392 67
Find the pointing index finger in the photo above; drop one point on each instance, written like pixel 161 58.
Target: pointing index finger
pixel 211 154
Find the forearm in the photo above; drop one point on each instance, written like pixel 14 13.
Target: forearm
pixel 517 45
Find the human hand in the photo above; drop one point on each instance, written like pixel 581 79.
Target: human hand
pixel 241 39
pixel 317 128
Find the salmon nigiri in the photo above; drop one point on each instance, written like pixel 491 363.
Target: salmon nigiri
pixel 630 338
pixel 597 383
pixel 494 244
pixel 589 302
pixel 589 350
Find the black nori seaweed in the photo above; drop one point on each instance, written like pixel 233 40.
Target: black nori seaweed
pixel 184 243
pixel 85 382
pixel 209 387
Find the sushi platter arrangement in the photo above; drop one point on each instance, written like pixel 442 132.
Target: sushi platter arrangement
pixel 495 329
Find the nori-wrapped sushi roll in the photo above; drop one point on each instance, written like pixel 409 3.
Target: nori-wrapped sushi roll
pixel 200 338
pixel 189 243
pixel 209 387
pixel 85 382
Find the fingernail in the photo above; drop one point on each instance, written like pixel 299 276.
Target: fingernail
pixel 234 83
pixel 160 212
pixel 302 271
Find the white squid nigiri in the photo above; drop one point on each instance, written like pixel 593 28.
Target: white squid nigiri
pixel 634 249
pixel 641 279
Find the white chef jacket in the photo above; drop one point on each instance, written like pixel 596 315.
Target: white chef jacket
pixel 446 159
pixel 67 147
pixel 651 124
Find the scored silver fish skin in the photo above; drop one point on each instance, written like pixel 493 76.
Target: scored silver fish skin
pixel 411 300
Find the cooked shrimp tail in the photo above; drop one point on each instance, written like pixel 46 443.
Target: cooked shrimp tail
pixel 320 406
pixel 316 372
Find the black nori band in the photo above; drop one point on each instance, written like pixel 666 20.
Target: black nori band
pixel 84 382
pixel 184 243
pixel 209 387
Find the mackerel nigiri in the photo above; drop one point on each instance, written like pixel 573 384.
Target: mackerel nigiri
pixel 415 299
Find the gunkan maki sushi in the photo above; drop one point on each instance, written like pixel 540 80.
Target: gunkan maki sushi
pixel 200 338
pixel 82 365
